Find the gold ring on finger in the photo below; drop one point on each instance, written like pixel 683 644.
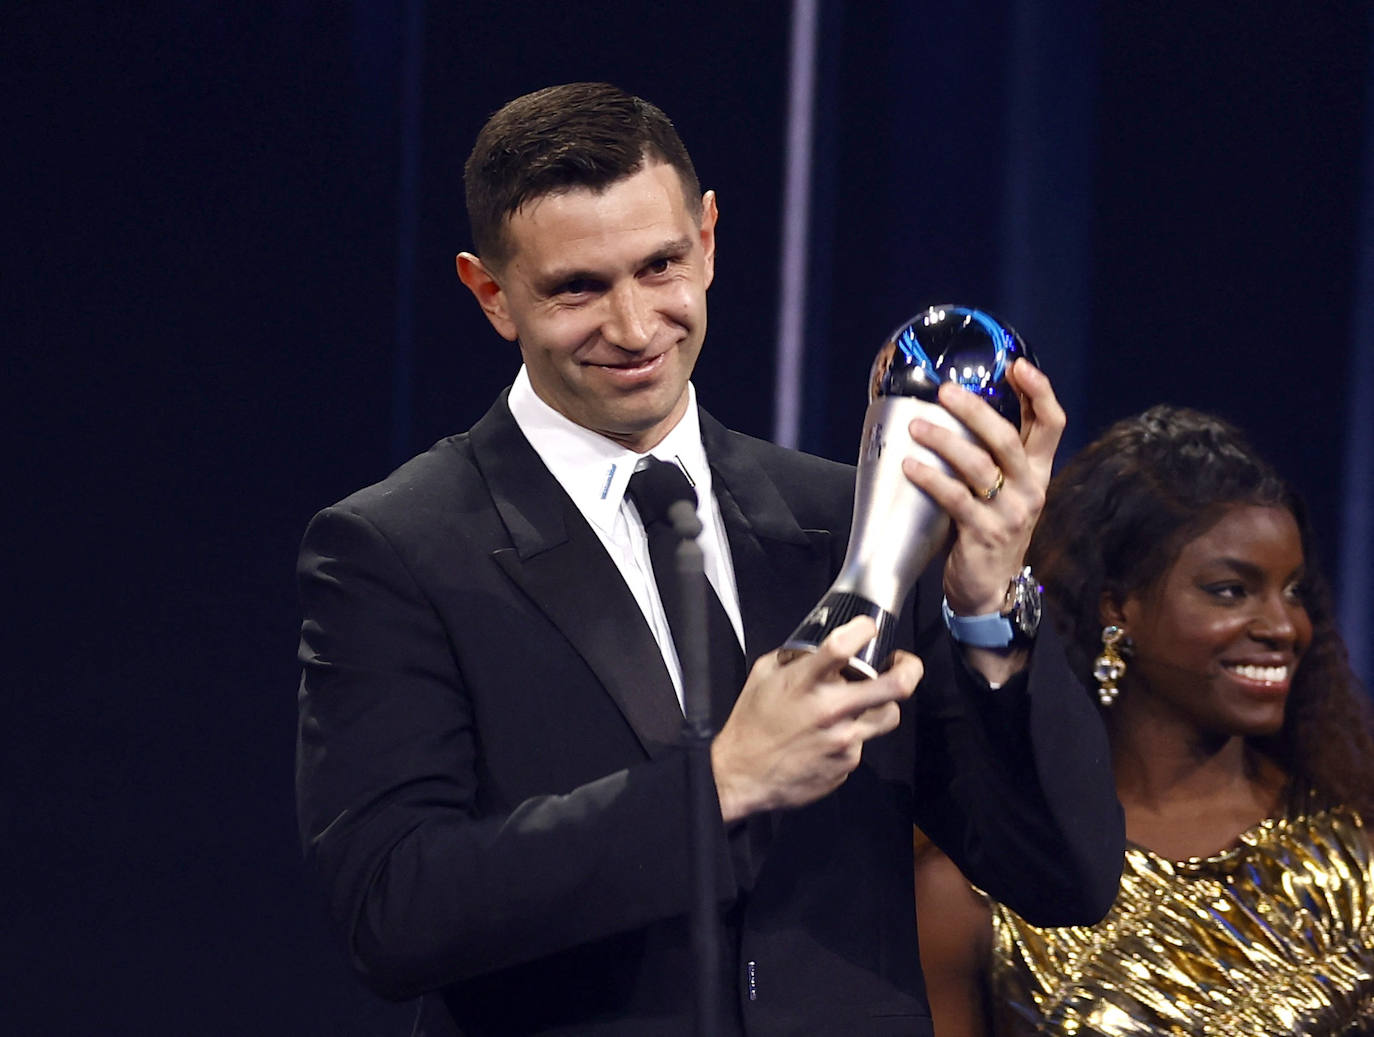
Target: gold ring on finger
pixel 990 494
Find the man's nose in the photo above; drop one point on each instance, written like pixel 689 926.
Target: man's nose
pixel 629 320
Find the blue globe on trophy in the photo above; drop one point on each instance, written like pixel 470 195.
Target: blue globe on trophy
pixel 951 344
pixel 897 528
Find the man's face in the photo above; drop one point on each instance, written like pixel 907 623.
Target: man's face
pixel 606 295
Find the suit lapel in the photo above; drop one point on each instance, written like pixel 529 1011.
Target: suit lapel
pixel 557 560
pixel 780 569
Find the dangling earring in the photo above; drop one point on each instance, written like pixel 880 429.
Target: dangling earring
pixel 1110 667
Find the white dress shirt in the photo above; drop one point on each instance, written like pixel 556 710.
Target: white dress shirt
pixel 595 471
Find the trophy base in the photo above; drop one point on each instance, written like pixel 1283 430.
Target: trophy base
pixel 835 610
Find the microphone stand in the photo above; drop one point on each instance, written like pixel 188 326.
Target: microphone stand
pixel 703 814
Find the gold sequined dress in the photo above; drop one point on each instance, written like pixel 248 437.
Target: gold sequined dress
pixel 1274 936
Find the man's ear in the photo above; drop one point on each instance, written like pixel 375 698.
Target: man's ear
pixel 487 290
pixel 708 234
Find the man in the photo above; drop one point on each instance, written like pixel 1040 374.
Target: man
pixel 491 785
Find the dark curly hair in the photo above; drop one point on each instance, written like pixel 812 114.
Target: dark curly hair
pixel 578 135
pixel 1115 520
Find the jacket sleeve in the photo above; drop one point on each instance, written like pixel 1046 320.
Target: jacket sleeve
pixel 427 879
pixel 1015 783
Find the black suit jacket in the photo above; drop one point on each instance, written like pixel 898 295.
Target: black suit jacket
pixel 492 792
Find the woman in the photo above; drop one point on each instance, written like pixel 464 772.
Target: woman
pixel 1181 567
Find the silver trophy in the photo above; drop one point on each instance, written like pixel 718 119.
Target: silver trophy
pixel 897 528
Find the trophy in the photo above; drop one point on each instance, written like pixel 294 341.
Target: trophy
pixel 897 528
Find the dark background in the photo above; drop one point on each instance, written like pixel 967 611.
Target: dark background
pixel 229 301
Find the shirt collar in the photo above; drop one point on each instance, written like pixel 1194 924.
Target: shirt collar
pixel 594 470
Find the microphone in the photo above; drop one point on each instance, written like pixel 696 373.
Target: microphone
pixel 682 515
pixel 898 528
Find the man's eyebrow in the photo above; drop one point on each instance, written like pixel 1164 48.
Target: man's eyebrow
pixel 553 279
pixel 670 249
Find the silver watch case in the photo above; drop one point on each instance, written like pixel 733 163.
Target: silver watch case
pixel 1023 606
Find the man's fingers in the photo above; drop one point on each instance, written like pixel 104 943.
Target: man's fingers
pixel 851 700
pixel 1028 452
pixel 841 645
pixel 1001 464
pixel 993 464
pixel 972 463
pixel 1042 418
pixel 875 709
pixel 993 433
pixel 906 668
pixel 823 666
pixel 877 720
pixel 967 507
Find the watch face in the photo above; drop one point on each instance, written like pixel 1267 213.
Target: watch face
pixel 1026 606
pixel 1028 616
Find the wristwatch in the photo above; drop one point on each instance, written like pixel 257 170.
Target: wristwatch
pixel 1014 626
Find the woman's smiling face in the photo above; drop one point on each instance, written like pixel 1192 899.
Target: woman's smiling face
pixel 1217 640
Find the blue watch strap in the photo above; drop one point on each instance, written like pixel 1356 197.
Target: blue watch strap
pixel 993 630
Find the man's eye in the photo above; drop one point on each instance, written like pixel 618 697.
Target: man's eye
pixel 581 286
pixel 658 266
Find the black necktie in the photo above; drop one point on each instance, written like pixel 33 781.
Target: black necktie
pixel 654 488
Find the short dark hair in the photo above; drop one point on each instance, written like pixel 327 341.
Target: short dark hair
pixel 578 135
pixel 1116 518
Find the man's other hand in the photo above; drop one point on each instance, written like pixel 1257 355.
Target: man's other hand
pixel 798 728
